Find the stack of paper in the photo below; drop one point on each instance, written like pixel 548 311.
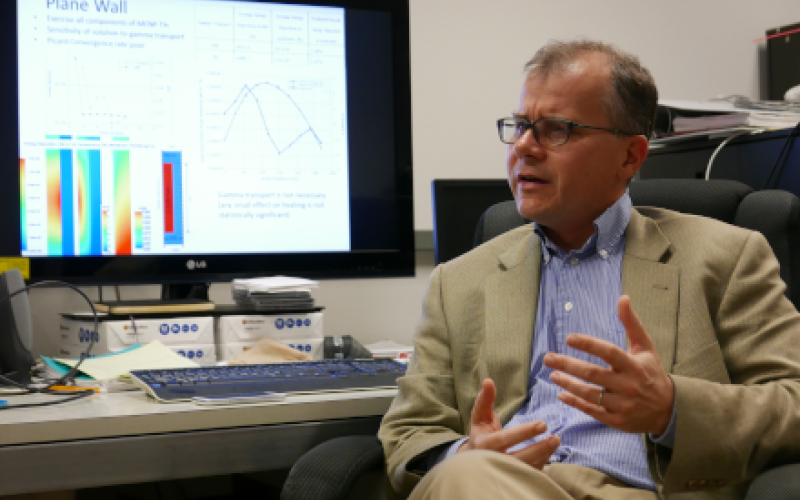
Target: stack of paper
pixel 391 349
pixel 113 366
pixel 279 293
pixel 709 122
pixel 686 118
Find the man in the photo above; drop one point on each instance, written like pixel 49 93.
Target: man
pixel 609 352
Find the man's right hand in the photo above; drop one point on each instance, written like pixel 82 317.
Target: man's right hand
pixel 486 433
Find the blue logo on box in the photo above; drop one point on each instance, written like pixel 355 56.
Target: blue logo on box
pixel 190 354
pixel 182 353
pixel 308 348
pixel 195 328
pixel 176 328
pixel 164 329
pixel 307 322
pixel 199 354
pixel 185 328
pixel 279 323
pixel 290 323
pixel 85 335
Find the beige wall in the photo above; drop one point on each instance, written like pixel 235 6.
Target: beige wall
pixel 467 58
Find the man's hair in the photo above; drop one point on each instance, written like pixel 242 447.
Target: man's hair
pixel 632 99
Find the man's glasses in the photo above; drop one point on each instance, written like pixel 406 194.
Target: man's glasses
pixel 546 131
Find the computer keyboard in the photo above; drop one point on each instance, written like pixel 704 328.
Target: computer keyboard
pixel 330 375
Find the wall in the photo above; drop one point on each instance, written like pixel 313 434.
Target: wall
pixel 467 58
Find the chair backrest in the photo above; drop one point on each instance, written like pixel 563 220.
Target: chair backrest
pixel 773 213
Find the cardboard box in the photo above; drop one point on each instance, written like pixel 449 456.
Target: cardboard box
pixel 202 354
pixel 312 347
pixel 116 335
pixel 250 329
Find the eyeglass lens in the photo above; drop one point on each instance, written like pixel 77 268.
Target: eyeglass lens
pixel 547 132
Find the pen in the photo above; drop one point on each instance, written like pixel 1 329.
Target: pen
pixel 73 388
pixel 3 402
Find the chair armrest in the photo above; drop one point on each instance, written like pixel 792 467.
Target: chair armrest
pixel 780 483
pixel 329 470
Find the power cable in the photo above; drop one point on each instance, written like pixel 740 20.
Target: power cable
pixel 67 377
pixel 719 148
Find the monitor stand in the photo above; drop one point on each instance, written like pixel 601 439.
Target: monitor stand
pixel 173 291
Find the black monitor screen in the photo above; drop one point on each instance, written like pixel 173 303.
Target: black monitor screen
pixel 457 208
pixel 162 140
pixel 783 61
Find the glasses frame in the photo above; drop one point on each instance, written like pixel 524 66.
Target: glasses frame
pixel 527 125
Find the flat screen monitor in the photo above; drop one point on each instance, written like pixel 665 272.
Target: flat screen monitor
pixel 783 61
pixel 457 207
pixel 169 141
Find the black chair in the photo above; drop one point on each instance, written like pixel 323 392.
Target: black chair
pixel 331 470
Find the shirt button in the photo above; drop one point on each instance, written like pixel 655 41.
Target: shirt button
pixel 574 261
pixel 568 306
pixel 603 254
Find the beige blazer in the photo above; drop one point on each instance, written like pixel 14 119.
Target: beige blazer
pixel 710 296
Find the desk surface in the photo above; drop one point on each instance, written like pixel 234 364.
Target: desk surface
pixel 106 415
pixel 127 437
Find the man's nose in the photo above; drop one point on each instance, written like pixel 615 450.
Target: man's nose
pixel 527 145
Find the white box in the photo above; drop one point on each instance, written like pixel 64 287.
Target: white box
pixel 226 352
pixel 312 347
pixel 202 354
pixel 116 335
pixel 237 329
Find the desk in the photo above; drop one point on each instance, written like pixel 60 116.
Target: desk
pixel 123 438
pixel 746 159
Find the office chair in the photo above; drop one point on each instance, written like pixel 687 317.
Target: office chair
pixel 333 469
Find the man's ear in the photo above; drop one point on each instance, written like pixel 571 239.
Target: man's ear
pixel 635 154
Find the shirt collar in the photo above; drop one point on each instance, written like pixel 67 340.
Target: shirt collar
pixel 609 230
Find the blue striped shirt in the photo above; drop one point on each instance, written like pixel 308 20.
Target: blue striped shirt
pixel 578 293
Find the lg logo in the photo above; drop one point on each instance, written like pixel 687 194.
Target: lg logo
pixel 195 264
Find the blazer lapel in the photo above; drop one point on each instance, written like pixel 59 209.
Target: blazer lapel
pixel 652 285
pixel 512 295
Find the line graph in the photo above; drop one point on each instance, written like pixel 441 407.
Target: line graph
pixel 249 91
pixel 270 123
pixel 105 96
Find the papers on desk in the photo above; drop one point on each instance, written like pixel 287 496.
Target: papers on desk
pixel 685 120
pixel 704 134
pixel 112 366
pixel 277 293
pixel 276 284
pixel 709 122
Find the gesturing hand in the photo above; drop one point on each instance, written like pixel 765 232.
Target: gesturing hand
pixel 486 433
pixel 633 395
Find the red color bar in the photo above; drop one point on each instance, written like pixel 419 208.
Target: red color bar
pixel 169 205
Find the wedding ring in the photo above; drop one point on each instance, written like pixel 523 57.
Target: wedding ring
pixel 600 397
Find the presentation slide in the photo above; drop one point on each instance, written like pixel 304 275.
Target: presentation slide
pixel 181 126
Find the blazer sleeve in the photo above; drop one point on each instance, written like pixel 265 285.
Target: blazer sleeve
pixel 729 432
pixel 424 414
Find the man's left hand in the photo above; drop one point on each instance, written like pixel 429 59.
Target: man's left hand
pixel 634 395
